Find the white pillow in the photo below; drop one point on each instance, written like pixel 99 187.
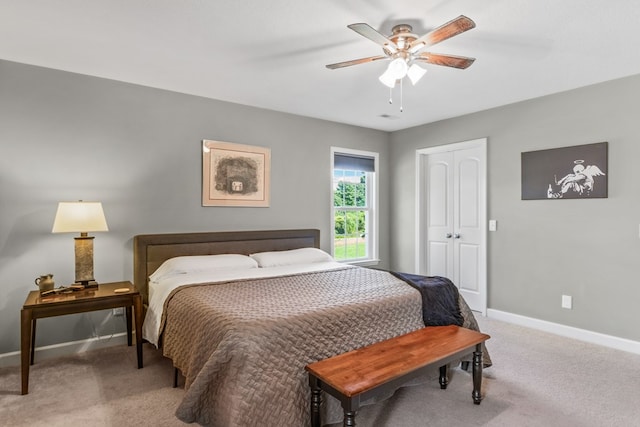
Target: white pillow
pixel 197 263
pixel 291 257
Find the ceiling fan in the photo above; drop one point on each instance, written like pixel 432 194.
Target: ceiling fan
pixel 404 50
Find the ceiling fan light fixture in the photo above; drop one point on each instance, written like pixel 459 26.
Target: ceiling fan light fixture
pixel 415 73
pixel 388 79
pixel 398 68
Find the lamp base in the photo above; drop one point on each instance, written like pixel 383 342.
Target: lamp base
pixel 88 284
pixel 84 261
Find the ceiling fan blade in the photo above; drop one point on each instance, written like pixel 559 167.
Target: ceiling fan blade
pixel 355 62
pixel 372 34
pixel 452 28
pixel 461 62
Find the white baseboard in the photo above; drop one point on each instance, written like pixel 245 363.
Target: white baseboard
pixel 66 348
pixel 567 331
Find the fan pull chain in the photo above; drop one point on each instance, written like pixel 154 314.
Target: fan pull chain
pixel 401 109
pixel 391 96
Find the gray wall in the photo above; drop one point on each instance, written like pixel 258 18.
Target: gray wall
pixel 589 249
pixel 65 137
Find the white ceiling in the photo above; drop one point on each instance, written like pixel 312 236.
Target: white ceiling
pixel 272 53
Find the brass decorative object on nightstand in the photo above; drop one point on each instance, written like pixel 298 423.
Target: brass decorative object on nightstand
pixel 45 282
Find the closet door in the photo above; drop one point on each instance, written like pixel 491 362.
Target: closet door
pixel 440 218
pixel 455 218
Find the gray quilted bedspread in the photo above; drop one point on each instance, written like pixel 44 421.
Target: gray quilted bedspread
pixel 242 346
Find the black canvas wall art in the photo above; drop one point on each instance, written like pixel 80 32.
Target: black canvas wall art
pixel 578 172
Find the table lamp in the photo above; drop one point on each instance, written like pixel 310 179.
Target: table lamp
pixel 81 217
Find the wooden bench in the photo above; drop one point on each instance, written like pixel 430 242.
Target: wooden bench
pixel 361 374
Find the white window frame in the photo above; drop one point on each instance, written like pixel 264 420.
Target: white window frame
pixel 372 209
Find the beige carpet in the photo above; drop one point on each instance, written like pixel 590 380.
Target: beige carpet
pixel 538 379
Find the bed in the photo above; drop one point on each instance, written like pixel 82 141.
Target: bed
pixel 241 337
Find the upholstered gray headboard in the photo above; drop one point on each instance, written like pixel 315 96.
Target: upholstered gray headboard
pixel 151 250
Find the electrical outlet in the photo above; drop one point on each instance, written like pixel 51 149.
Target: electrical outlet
pixel 567 301
pixel 118 311
pixel 493 225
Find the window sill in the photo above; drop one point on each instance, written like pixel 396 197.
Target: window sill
pixel 363 262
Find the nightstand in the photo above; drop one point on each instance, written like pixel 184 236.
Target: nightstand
pixel 101 298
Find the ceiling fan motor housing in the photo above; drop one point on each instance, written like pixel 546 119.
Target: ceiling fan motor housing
pixel 402 36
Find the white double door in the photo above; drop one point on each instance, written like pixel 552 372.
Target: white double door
pixel 454 218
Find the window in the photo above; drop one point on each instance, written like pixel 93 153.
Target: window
pixel 354 196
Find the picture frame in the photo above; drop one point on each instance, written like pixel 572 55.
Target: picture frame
pixel 576 172
pixel 235 174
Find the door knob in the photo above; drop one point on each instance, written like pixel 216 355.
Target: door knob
pixel 449 235
pixel 456 236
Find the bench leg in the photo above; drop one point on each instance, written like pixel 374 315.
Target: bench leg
pixel 350 406
pixel 444 379
pixel 349 419
pixel 316 401
pixel 477 374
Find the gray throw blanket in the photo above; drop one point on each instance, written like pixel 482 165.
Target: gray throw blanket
pixel 439 299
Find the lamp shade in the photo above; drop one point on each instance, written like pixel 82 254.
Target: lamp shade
pixel 81 217
pixel 387 79
pixel 415 73
pixel 398 68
